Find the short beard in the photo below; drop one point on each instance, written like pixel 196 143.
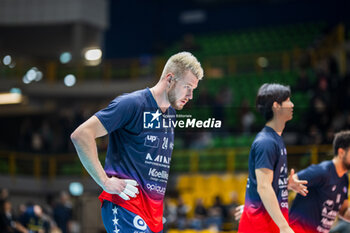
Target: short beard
pixel 172 98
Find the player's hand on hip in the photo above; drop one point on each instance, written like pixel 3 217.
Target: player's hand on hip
pixel 123 187
pixel 298 186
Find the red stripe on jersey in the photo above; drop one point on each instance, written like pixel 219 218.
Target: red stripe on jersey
pixel 255 220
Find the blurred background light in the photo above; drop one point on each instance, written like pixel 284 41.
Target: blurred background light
pixel 10 98
pixel 12 65
pixel 69 80
pixel 39 76
pixel 15 90
pixel 65 57
pixel 76 188
pixel 7 60
pixel 263 62
pixel 33 74
pixel 93 54
pixel 25 79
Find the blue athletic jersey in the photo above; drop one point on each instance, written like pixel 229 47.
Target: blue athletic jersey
pixel 267 151
pixel 317 211
pixel 141 140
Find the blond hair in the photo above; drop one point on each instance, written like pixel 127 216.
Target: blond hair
pixel 182 62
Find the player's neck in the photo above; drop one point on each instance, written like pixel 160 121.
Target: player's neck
pixel 339 166
pixel 160 97
pixel 276 125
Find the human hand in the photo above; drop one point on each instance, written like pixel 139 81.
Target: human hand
pixel 239 212
pixel 297 185
pixel 125 188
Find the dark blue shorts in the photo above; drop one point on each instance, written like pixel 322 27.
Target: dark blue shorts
pixel 116 219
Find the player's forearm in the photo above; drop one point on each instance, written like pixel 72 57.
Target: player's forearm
pixel 270 202
pixel 86 148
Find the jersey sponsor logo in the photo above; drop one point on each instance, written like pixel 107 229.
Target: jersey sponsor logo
pixel 283 151
pixel 151 120
pixel 284 170
pixel 159 159
pixel 284 205
pixel 284 193
pixel 327 223
pixel 329 214
pixel 139 223
pixel 156 188
pixel 282 182
pixel 152 141
pixel 322 230
pixel 329 204
pixel 158 174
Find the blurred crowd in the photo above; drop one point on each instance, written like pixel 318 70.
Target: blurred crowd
pixel 324 111
pixel 217 217
pixel 54 217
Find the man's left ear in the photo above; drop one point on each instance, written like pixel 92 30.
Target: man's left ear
pixel 276 105
pixel 169 79
pixel 341 152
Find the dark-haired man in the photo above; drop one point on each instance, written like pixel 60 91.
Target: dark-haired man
pixel 266 202
pixel 328 191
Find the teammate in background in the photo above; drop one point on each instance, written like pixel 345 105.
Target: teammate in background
pixel 266 202
pixel 140 146
pixel 328 190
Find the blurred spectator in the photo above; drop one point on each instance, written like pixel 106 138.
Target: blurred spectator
pixel 219 205
pixel 200 213
pixel 231 210
pixel 182 210
pixel 170 211
pixel 202 140
pixel 303 83
pixel 63 212
pixel 4 194
pixel 35 220
pixel 246 117
pixel 215 218
pixel 46 134
pixel 217 214
pixel 8 223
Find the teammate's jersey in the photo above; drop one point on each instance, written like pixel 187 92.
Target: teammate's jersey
pixel 141 141
pixel 267 151
pixel 327 191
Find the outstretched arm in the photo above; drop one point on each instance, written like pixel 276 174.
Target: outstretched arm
pixel 297 185
pixel 84 140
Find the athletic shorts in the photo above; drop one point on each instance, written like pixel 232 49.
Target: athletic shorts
pixel 116 219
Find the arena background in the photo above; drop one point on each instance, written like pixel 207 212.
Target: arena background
pixel 61 61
